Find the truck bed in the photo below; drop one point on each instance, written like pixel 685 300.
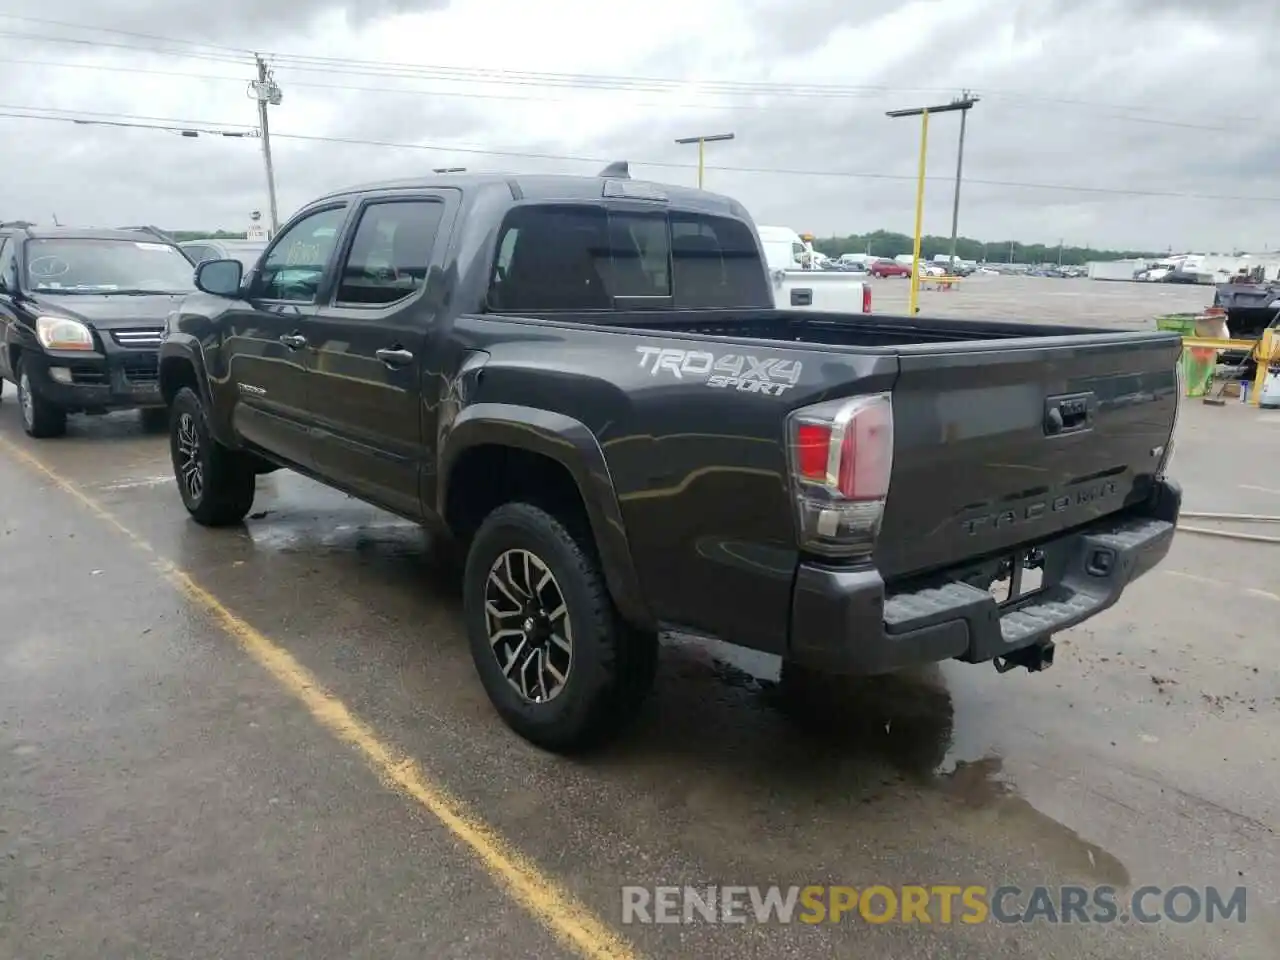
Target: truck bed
pixel 976 468
pixel 825 329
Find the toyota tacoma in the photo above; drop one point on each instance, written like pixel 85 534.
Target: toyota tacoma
pixel 584 383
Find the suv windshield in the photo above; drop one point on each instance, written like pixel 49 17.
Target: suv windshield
pixel 73 265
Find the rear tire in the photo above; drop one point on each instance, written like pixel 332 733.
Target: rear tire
pixel 216 483
pixel 40 418
pixel 536 604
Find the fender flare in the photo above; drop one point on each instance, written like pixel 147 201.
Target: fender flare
pixel 571 444
pixel 187 349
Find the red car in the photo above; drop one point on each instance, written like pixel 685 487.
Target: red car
pixel 889 268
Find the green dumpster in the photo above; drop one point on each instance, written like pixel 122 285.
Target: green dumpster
pixel 1198 363
pixel 1183 323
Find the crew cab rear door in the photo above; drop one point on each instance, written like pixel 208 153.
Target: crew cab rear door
pixel 370 342
pixel 999 444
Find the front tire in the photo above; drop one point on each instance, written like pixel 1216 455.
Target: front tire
pixel 559 664
pixel 40 418
pixel 216 484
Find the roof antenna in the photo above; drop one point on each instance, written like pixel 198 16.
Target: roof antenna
pixel 617 170
pixel 55 221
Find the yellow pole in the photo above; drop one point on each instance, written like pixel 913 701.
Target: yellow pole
pixel 1266 352
pixel 915 253
pixel 702 149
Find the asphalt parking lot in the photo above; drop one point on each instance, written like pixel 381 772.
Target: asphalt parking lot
pixel 1088 302
pixel 269 741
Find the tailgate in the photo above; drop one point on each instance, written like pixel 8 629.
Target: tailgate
pixel 999 445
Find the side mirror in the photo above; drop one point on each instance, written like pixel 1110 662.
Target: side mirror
pixel 221 278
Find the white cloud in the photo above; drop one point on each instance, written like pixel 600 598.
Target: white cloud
pixel 1097 93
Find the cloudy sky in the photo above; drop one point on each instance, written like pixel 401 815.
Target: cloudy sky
pixel 1114 123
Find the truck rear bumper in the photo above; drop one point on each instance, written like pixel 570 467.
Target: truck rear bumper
pixel 846 621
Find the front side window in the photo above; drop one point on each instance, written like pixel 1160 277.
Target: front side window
pixel 294 267
pixel 390 252
pixel 73 265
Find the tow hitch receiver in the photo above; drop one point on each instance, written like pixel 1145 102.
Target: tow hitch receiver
pixel 1036 657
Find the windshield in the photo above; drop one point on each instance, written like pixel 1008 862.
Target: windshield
pixel 71 265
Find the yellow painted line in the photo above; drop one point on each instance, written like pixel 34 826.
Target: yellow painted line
pixel 567 918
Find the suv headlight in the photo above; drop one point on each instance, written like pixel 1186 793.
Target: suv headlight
pixel 61 333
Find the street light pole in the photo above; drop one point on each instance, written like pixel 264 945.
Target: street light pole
pixel 955 206
pixel 702 148
pixel 266 91
pixel 962 104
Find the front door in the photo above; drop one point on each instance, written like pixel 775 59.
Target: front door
pixel 268 346
pixel 370 346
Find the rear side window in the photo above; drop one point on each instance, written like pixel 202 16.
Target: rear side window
pixel 586 258
pixel 715 263
pixel 390 252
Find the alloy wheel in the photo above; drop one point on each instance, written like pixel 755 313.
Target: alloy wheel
pixel 528 624
pixel 190 467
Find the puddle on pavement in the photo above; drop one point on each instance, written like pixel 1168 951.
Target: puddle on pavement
pixel 825 743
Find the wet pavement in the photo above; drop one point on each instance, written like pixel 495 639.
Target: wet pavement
pixel 174 786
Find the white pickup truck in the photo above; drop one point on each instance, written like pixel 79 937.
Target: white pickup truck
pixel 798 286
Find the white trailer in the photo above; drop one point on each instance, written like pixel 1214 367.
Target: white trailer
pixel 1115 269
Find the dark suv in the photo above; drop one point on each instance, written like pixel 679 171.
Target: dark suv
pixel 81 317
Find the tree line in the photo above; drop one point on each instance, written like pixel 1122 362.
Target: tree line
pixel 884 243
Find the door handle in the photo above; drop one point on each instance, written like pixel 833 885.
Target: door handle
pixel 395 357
pixel 294 341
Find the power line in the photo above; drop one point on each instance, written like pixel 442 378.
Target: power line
pixel 393 70
pixel 125 33
pixel 505 97
pixel 193 55
pixel 185 130
pixel 350 66
pixel 35 114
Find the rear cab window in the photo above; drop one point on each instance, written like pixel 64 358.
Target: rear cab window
pixel 563 257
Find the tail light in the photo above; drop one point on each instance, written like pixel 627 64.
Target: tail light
pixel 866 298
pixel 841 458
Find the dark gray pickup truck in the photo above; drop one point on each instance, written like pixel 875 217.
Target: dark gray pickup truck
pixel 584 382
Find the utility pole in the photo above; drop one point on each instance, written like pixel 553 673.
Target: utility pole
pixel 923 113
pixel 266 91
pixel 1060 242
pixel 967 101
pixel 702 148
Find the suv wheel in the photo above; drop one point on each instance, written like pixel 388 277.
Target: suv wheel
pixel 216 484
pixel 559 664
pixel 40 418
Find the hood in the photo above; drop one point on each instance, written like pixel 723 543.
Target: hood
pixel 112 311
